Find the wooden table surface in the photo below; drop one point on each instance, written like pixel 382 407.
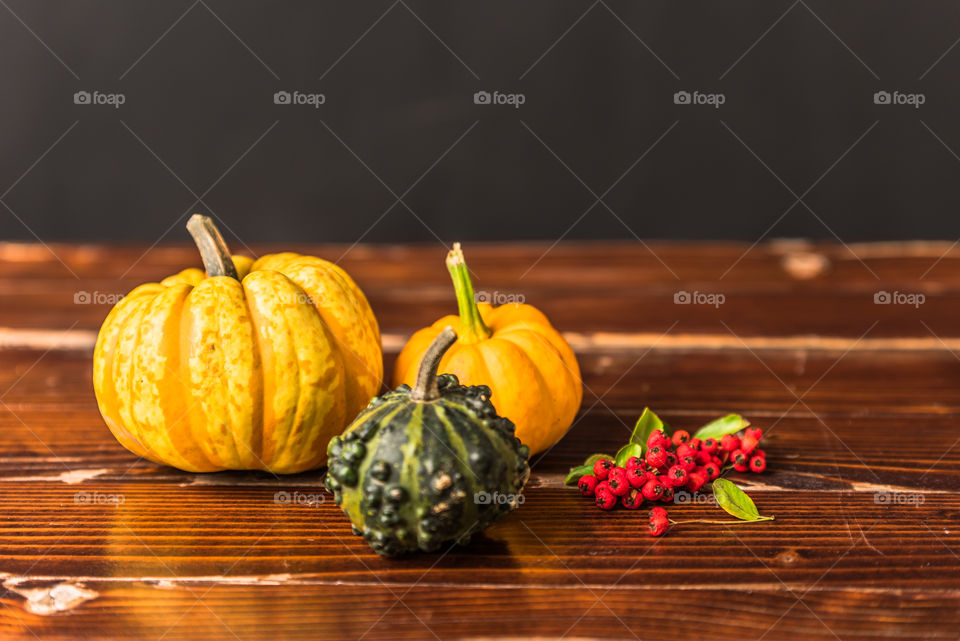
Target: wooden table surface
pixel 860 402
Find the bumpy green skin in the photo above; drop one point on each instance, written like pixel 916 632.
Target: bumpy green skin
pixel 408 473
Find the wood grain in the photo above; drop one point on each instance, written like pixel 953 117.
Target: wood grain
pixel 858 401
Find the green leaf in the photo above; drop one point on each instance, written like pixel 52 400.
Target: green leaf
pixel 734 500
pixel 587 468
pixel 625 452
pixel 646 424
pixel 720 427
pixel 593 458
pixel 576 472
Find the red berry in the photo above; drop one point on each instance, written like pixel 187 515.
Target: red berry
pixel 695 443
pixel 696 480
pixel 587 484
pixel 671 460
pixel 681 436
pixel 617 472
pixel 748 444
pixel 652 490
pixel 632 499
pixel 602 468
pixel 656 456
pixel 606 500
pixel 759 452
pixel 659 521
pixel 618 484
pixel 677 476
pixel 667 496
pixel 729 443
pixel 758 463
pixel 633 462
pixel 703 458
pixel 710 445
pixel 684 450
pixel 636 477
pixel 656 438
pixel 712 470
pixel 740 460
pixel 688 463
pixel 755 432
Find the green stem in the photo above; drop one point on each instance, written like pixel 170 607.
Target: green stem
pixel 213 249
pixel 756 520
pixel 472 327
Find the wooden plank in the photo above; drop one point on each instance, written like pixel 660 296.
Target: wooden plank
pixel 95 543
pixel 50 425
pixel 199 611
pixel 558 539
pixel 582 287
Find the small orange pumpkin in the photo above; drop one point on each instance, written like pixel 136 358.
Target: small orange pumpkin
pixel 253 365
pixel 530 369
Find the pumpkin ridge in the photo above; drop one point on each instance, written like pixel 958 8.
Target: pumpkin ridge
pixel 210 423
pixel 150 415
pixel 368 499
pixel 471 480
pixel 440 483
pixel 130 364
pixel 408 458
pixel 257 415
pixel 224 373
pixel 283 446
pixel 367 322
pixel 558 410
pixel 191 460
pixel 273 335
pixel 105 368
pixel 550 347
pixel 183 379
pixel 322 284
pixel 332 372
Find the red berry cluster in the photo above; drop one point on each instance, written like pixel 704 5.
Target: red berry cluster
pixel 670 464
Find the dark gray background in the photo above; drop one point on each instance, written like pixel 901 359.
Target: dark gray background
pixel 598 79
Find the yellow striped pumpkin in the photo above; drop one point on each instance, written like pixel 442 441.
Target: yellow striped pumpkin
pixel 256 364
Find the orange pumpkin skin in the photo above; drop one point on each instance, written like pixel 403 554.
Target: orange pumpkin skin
pixel 213 373
pixel 530 369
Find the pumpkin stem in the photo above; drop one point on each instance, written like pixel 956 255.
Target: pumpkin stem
pixel 426 388
pixel 472 327
pixel 213 249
